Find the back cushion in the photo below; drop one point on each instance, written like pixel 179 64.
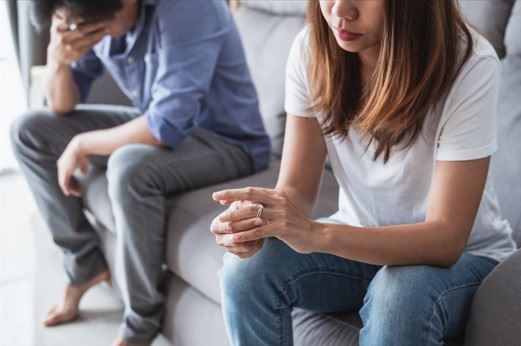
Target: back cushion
pixel 507 163
pixel 500 22
pixel 267 28
pixel 490 17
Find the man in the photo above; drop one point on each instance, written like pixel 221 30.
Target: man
pixel 196 122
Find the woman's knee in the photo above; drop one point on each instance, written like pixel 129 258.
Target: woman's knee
pixel 398 304
pixel 261 274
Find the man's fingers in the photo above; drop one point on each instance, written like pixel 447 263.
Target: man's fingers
pixel 87 29
pixel 86 42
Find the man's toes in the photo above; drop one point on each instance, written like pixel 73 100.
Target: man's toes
pixel 58 316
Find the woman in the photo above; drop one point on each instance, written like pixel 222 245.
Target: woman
pixel 401 95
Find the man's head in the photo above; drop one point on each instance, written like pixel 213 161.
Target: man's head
pixel 120 15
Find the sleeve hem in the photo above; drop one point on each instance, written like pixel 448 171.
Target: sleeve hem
pixel 164 132
pixel 303 113
pixel 467 154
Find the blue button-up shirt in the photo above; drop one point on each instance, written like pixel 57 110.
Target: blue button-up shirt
pixel 183 66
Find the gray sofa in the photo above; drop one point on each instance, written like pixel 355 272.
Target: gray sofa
pixel 193 315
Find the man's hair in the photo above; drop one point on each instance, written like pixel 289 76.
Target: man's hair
pixel 90 10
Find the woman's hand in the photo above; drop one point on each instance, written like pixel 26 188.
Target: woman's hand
pixel 224 231
pixel 71 159
pixel 281 219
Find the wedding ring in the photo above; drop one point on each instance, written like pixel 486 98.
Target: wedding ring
pixel 259 211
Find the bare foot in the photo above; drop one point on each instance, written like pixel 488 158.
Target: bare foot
pixel 121 342
pixel 68 310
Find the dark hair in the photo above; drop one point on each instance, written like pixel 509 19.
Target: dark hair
pixel 90 10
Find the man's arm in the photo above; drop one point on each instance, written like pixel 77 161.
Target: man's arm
pixel 104 142
pixel 65 48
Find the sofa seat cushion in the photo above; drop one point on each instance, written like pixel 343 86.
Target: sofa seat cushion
pixel 192 253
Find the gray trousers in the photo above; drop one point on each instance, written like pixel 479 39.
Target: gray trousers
pixel 140 180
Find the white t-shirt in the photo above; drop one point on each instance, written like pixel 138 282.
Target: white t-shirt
pixel 461 127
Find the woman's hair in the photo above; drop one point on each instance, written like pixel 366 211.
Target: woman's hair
pixel 91 10
pixel 419 59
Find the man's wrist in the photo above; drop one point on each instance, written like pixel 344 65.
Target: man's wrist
pixel 78 144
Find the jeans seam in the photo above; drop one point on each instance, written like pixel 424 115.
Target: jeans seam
pixel 303 275
pixel 441 296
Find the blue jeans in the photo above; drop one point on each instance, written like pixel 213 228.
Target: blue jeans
pixel 402 305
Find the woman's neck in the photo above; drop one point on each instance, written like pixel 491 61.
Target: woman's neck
pixel 368 58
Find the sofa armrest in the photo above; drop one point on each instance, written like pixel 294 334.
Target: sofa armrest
pixel 495 316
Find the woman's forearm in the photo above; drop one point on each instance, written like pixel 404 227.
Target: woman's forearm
pixel 432 242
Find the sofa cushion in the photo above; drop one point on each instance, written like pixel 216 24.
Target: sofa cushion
pixel 267 40
pixel 278 7
pixel 495 316
pixel 192 253
pixel 500 22
pixel 490 18
pixel 513 32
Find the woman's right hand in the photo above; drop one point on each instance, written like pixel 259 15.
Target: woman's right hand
pixel 66 46
pixel 223 231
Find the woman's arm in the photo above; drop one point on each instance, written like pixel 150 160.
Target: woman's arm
pixel 454 199
pixel 298 184
pixel 302 163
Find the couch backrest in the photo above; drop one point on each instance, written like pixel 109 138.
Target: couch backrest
pixel 268 27
pixel 500 22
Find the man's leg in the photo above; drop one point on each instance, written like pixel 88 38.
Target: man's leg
pixel 38 139
pixel 139 179
pixel 421 305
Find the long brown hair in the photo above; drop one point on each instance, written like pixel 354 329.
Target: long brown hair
pixel 418 61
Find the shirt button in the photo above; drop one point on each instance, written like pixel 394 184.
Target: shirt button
pixel 130 60
pixel 134 93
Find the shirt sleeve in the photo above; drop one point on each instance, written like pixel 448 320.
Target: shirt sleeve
pixel 297 101
pixel 468 123
pixel 85 71
pixel 191 38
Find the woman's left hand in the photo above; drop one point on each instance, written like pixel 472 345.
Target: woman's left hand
pixel 282 219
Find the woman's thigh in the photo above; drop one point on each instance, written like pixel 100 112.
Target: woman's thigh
pixel 316 282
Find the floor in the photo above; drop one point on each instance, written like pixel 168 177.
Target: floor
pixel 32 279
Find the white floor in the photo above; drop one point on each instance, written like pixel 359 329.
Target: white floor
pixel 32 279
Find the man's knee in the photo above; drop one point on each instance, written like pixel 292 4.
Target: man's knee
pixel 126 172
pixel 28 129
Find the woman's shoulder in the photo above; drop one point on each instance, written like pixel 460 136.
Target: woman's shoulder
pixel 482 56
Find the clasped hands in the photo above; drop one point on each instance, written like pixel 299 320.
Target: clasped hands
pixel 242 228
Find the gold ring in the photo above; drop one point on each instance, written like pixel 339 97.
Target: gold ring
pixel 259 211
